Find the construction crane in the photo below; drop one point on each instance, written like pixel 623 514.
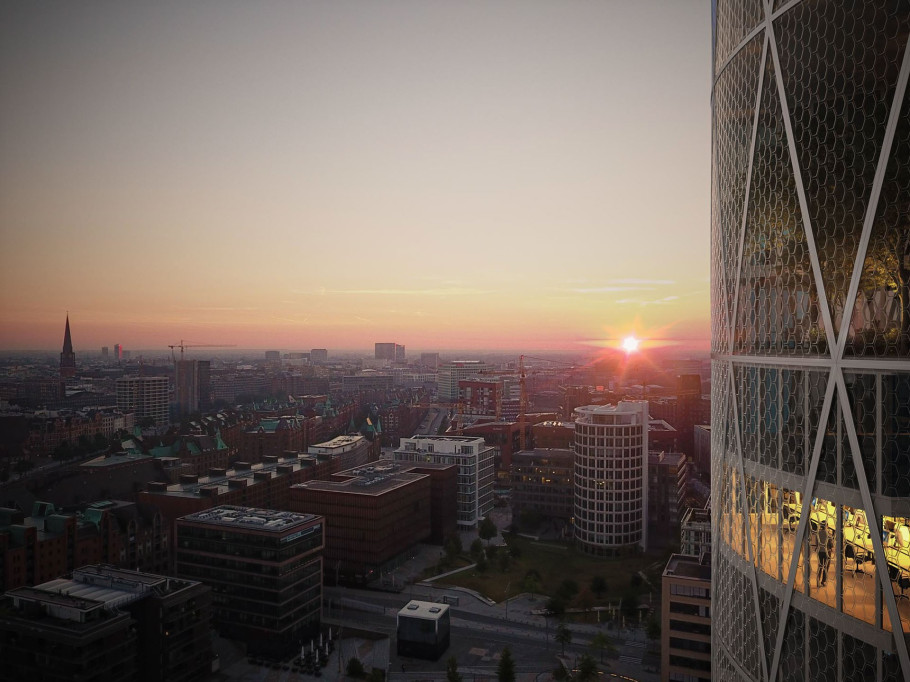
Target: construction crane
pixel 183 345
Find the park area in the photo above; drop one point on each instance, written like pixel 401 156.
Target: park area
pixel 570 583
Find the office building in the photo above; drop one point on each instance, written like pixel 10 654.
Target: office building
pixel 429 360
pixel 611 478
pixel 319 356
pixel 668 480
pixel 193 386
pixel 375 513
pixel 685 623
pixel 392 352
pixel 450 373
pixel 480 396
pixel 541 483
pixel 265 570
pixel 67 356
pixel 476 474
pixel 105 354
pixel 811 341
pixel 118 352
pixel 145 397
pixel 105 623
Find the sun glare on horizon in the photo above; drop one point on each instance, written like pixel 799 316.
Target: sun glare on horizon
pixel 630 344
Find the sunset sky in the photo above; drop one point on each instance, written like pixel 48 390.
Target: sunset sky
pixel 298 174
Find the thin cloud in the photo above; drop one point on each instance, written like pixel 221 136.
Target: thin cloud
pixel 409 292
pixel 643 281
pixel 610 290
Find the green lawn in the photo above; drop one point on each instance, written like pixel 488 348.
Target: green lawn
pixel 554 563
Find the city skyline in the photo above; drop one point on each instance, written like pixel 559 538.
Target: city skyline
pixel 337 174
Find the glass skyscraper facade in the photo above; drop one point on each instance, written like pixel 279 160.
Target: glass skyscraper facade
pixel 811 340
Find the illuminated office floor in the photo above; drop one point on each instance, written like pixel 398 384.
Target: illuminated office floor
pixel 858 583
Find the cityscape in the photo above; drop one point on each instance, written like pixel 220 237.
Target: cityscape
pixel 446 341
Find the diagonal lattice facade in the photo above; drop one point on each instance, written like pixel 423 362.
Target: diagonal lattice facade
pixel 810 258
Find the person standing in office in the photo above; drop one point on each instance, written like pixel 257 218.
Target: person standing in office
pixel 825 547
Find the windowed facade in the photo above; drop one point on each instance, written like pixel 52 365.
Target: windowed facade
pixel 811 340
pixel 611 477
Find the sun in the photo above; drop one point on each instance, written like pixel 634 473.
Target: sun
pixel 630 344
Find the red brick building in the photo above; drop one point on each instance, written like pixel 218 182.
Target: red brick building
pixel 376 512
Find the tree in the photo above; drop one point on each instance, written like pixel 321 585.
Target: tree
pixel 355 668
pixel 563 636
pixel 653 628
pixel 561 674
pixel 585 600
pixel 487 529
pixel 453 546
pixel 598 586
pixel 635 581
pixel 23 465
pixel 568 588
pixel 504 561
pixel 505 671
pixel 477 549
pixel 556 606
pixel 603 642
pixel 587 669
pixel 452 674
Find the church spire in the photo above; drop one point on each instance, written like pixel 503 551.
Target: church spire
pixel 67 357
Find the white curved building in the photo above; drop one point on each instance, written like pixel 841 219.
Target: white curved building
pixel 611 477
pixel 811 340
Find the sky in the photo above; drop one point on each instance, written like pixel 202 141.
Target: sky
pixel 298 174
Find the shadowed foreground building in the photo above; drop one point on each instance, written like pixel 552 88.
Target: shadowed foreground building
pixel 811 341
pixel 105 623
pixel 265 570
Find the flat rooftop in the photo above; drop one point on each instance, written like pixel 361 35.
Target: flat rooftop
pixel 689 566
pixel 445 439
pixel 424 609
pixel 251 518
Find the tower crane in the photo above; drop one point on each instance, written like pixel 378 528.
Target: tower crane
pixel 183 345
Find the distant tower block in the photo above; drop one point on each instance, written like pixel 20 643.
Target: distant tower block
pixel 67 357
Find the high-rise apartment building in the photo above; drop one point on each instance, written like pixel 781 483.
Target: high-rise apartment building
pixel 476 472
pixel 144 397
pixel 392 352
pixel 611 477
pixel 811 340
pixel 450 373
pixel 193 386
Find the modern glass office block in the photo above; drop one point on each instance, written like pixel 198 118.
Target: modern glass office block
pixel 810 262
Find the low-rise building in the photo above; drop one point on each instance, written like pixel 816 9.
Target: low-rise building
pixel 423 629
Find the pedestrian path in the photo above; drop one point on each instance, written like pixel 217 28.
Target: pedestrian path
pixel 632 652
